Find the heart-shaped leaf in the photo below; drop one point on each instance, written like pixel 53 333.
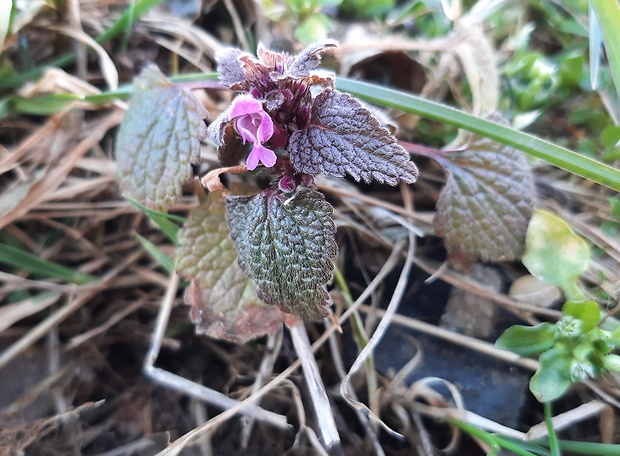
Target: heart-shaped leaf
pixel 223 299
pixel 345 138
pixel 286 247
pixel 159 140
pixel 484 209
pixel 554 253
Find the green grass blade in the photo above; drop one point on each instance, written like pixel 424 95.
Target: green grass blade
pixel 536 147
pixel 27 261
pixel 608 14
pixel 494 440
pixel 590 448
pixel 45 105
pixel 164 260
pixel 163 220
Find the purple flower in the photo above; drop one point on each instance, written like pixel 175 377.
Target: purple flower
pixel 255 126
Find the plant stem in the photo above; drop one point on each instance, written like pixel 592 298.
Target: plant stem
pixel 328 434
pixel 554 446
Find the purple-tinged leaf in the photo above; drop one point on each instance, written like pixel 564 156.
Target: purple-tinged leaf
pixel 159 140
pixel 484 209
pixel 230 67
pixel 309 58
pixel 345 138
pixel 223 299
pixel 287 248
pixel 244 72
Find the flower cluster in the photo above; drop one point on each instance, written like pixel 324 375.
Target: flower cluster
pixel 297 124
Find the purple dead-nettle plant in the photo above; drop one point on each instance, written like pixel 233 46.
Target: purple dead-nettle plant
pixel 278 244
pixel 298 125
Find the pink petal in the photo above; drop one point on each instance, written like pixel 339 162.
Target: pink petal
pixel 252 161
pixel 265 129
pixel 267 156
pixel 244 104
pixel 246 128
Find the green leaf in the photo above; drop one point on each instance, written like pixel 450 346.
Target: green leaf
pixel 223 299
pixel 29 262
pixel 587 311
pixel 612 363
pixel 159 140
pixel 553 377
pixel 314 28
pixel 608 14
pixel 484 209
pixel 554 254
pixel 528 340
pixel 287 247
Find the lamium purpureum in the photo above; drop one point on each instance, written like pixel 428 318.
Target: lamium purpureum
pixel 289 122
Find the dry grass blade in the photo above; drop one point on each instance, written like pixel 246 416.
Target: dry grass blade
pixel 472 343
pixel 12 313
pixel 57 174
pixel 378 335
pixel 58 316
pixel 329 437
pixel 575 416
pixel 188 387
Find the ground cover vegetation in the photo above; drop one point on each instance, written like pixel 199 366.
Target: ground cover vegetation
pixel 266 228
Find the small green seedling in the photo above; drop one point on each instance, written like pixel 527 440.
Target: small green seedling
pixel 580 345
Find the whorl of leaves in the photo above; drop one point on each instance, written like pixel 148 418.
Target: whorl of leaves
pixel 159 140
pixel 345 138
pixel 287 248
pixel 484 209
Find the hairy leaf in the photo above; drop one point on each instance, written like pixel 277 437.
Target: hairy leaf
pixel 159 140
pixel 345 138
pixel 287 247
pixel 223 299
pixel 230 67
pixel 309 58
pixel 484 209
